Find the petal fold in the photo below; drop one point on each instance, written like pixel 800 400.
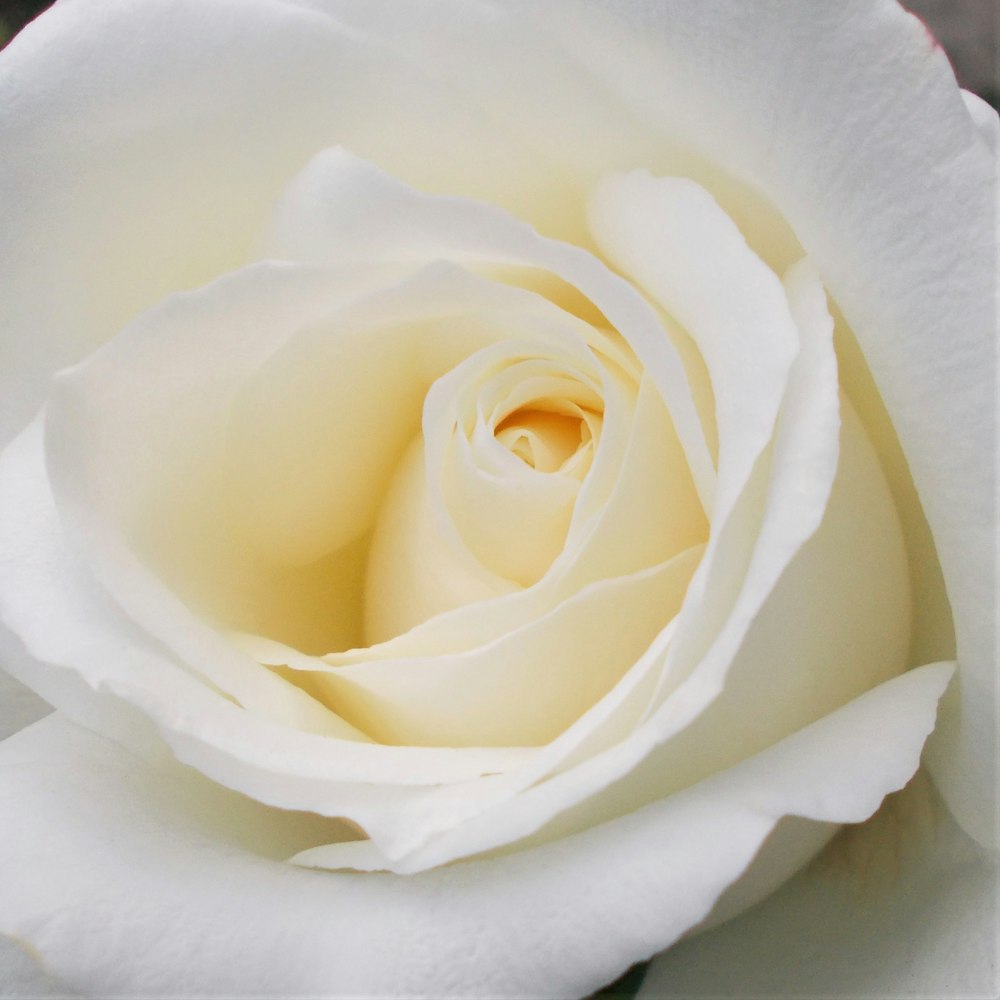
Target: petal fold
pixel 112 851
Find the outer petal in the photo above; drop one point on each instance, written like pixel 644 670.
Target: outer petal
pixel 111 851
pixel 145 143
pixel 883 175
pixel 119 673
pixel 342 209
pixel 903 906
pixel 524 688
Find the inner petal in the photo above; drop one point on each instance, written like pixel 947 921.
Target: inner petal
pixel 544 439
pixel 510 485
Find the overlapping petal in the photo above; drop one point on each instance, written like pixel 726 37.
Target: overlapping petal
pixel 904 905
pixel 337 331
pixel 902 228
pixel 656 872
pixel 735 444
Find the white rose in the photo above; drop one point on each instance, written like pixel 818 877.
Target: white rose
pixel 461 462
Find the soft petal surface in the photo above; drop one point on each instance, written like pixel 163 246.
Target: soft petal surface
pixel 156 173
pixel 606 762
pixel 117 673
pixel 342 209
pixel 904 906
pixel 524 688
pixel 159 854
pixel 914 279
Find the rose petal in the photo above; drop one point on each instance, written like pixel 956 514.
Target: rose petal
pixel 825 801
pixel 904 905
pixel 170 434
pixel 543 93
pixel 524 688
pixel 602 765
pixel 87 657
pixel 673 241
pixel 341 209
pixel 672 238
pixel 653 488
pixel 985 117
pixel 137 858
pixel 104 198
pixel 902 228
pixel 209 476
pixel 417 570
pixel 605 744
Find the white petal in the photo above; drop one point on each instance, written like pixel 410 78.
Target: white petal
pixel 524 688
pixel 343 209
pixel 155 172
pixel 653 488
pixel 905 905
pixel 672 239
pixel 902 228
pixel 985 117
pixel 838 796
pixel 543 93
pixel 112 854
pixel 90 660
pixel 812 638
pixel 170 433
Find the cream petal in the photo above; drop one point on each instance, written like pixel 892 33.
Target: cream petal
pixel 430 554
pixel 608 761
pixel 803 463
pixel 105 199
pixel 904 905
pixel 799 480
pixel 524 688
pixel 153 857
pixel 672 239
pixel 170 434
pixel 831 629
pixel 343 209
pixel 903 230
pixel 653 488
pixel 516 525
pixel 786 502
pixel 90 660
pixel 845 791
pixel 416 571
pixel 198 500
pixel 495 518
pixel 800 474
pixel 311 436
pixel 652 226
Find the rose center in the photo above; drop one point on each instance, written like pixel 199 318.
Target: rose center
pixel 542 437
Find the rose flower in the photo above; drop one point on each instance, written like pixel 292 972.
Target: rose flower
pixel 489 488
